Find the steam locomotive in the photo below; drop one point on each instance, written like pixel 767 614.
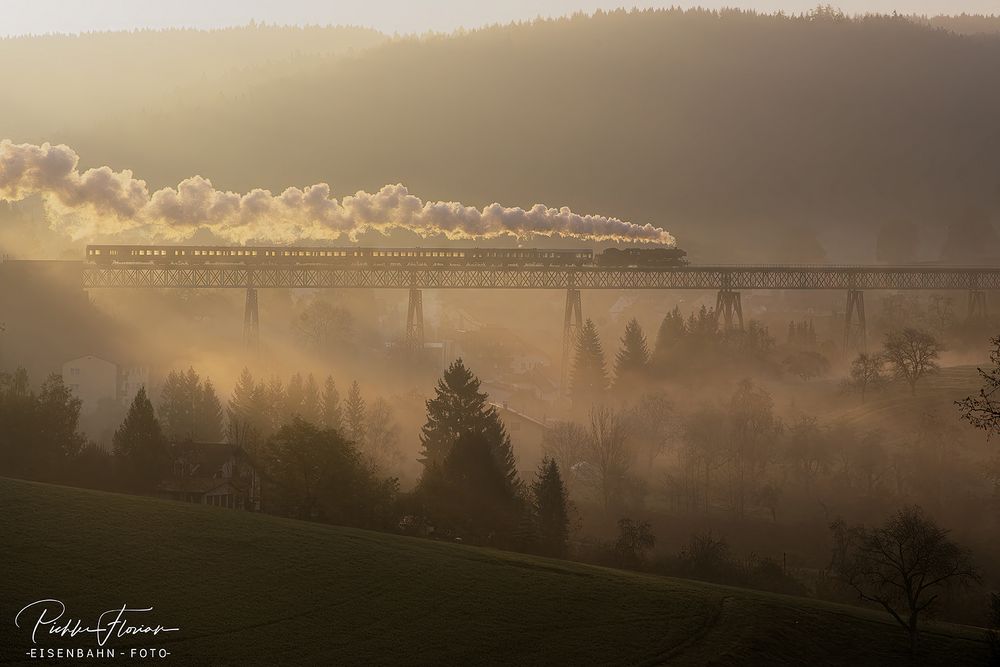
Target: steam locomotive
pixel 356 257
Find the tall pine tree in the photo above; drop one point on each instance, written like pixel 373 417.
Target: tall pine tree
pixel 472 492
pixel 140 443
pixel 459 407
pixel 332 415
pixel 208 414
pixel 311 401
pixel 295 395
pixel 246 415
pixel 178 405
pixel 668 338
pixel 355 412
pixel 551 505
pixel 632 360
pixel 589 380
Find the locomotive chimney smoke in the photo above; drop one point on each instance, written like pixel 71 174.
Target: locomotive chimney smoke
pixel 102 201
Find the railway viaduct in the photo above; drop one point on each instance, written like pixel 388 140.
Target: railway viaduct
pixel 728 281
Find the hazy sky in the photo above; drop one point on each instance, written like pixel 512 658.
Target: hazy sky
pixel 41 16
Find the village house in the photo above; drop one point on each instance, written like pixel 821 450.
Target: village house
pixel 217 474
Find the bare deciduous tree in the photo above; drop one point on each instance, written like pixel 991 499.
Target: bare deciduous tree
pixel 903 566
pixel 651 423
pixel 608 451
pixel 912 354
pixel 705 438
pixel 983 410
pixel 753 431
pixel 867 374
pixel 566 443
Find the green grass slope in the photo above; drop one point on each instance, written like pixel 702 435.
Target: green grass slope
pixel 251 589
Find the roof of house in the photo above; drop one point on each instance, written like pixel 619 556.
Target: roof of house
pixel 89 356
pixel 520 415
pixel 206 457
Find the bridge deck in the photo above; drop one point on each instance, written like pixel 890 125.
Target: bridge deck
pixel 741 277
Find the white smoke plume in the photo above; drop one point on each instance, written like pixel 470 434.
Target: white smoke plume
pixel 102 201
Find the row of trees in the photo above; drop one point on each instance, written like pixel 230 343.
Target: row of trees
pixel 683 346
pixel 739 455
pixel 257 409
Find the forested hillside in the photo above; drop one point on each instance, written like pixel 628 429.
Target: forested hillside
pixel 804 134
pixel 77 81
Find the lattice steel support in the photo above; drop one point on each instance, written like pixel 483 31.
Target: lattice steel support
pixel 729 305
pixel 855 325
pixel 977 306
pixel 415 320
pixel 572 324
pixel 251 322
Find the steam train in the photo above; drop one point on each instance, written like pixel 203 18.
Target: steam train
pixel 356 256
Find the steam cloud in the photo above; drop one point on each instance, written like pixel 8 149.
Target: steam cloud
pixel 102 201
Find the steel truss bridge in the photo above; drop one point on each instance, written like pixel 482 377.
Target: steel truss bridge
pixel 727 280
pixel 737 277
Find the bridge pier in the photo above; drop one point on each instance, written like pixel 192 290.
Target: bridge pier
pixel 415 320
pixel 977 306
pixel 729 305
pixel 572 324
pixel 251 322
pixel 855 324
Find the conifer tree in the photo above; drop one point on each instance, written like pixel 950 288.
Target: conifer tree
pixel 332 415
pixel 245 415
pixel 589 379
pixel 139 441
pixel 381 447
pixel 272 402
pixel 295 395
pixel 551 505
pixel 208 412
pixel 354 415
pixel 459 407
pixel 632 360
pixel 668 337
pixel 243 400
pixel 179 404
pixel 311 401
pixel 472 492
